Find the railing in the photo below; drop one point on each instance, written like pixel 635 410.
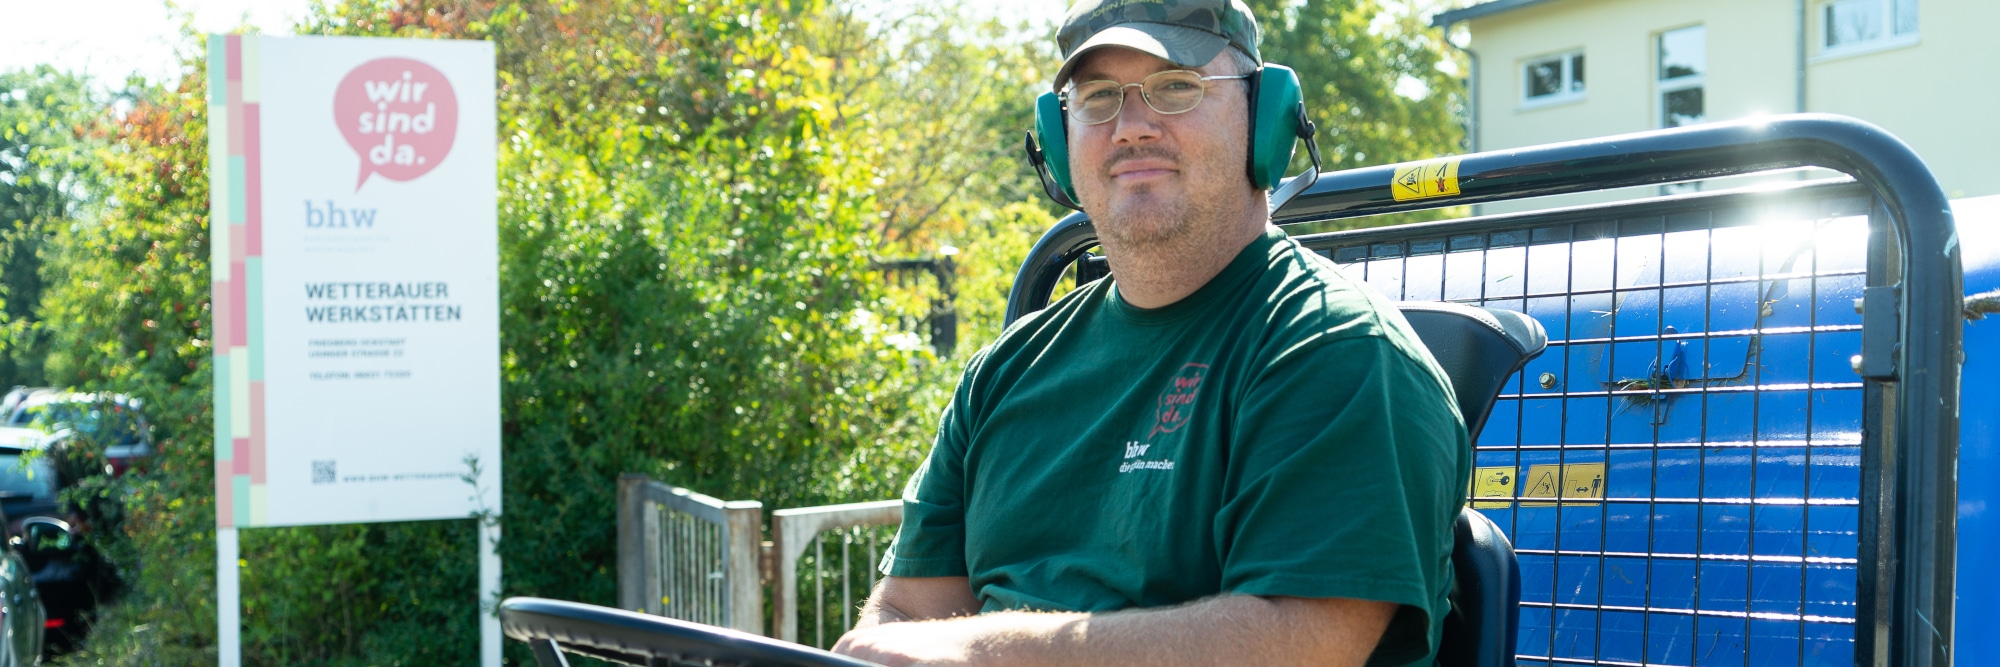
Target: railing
pixel 858 529
pixel 685 555
pixel 941 323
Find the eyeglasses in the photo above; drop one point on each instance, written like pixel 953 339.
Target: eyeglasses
pixel 1171 92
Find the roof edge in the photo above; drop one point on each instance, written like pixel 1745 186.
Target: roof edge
pixel 1482 10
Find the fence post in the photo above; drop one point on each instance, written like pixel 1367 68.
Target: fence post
pixel 743 559
pixel 788 542
pixel 792 530
pixel 632 542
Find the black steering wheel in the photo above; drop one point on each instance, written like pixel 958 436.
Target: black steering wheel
pixel 552 627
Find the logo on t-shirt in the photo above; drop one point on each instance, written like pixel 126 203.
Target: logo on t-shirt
pixel 1177 402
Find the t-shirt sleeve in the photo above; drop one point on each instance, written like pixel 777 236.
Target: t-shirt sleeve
pixel 931 541
pixel 1345 477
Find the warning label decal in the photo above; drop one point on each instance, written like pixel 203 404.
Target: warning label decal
pixel 1426 180
pixel 1574 482
pixel 1493 487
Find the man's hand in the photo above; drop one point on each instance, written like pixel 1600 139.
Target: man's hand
pixel 1230 629
pixel 901 644
pixel 960 642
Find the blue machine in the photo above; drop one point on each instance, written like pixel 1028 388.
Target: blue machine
pixel 1724 458
pixel 1706 385
pixel 1979 441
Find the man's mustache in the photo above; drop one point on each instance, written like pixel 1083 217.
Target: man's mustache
pixel 1121 155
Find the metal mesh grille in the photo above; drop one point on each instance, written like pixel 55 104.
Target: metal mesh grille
pixel 1679 472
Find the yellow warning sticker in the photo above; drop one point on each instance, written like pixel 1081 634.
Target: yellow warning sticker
pixel 1573 483
pixel 1426 180
pixel 1493 487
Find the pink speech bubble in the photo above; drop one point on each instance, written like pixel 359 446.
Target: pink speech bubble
pixel 399 115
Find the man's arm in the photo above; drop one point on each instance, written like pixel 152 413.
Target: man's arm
pixel 899 599
pixel 1230 629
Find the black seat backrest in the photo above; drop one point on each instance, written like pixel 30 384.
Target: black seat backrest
pixel 1479 349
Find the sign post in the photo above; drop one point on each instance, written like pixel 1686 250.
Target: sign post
pixel 355 254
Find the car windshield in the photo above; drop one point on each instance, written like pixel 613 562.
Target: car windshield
pixel 31 478
pixel 118 424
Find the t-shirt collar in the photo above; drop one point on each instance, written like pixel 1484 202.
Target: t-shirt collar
pixel 1245 267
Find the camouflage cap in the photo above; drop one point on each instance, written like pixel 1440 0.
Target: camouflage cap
pixel 1185 32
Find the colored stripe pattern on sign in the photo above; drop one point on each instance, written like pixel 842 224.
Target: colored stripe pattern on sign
pixel 236 249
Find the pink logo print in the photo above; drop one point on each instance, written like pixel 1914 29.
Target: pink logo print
pixel 399 115
pixel 1177 402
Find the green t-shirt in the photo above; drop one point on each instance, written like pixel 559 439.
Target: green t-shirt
pixel 1278 432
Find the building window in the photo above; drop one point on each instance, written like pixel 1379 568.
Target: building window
pixel 1683 66
pixel 1683 58
pixel 1552 78
pixel 1858 24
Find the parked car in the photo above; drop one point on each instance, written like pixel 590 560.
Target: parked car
pixel 24 620
pixel 50 441
pixel 21 612
pixel 115 418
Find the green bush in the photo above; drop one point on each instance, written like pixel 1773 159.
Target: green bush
pixel 126 307
pixel 48 174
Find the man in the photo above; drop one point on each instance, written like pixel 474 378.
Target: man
pixel 1226 453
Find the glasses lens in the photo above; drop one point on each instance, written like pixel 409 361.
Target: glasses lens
pixel 1093 102
pixel 1172 92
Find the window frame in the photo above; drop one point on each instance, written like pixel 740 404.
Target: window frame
pixel 1664 86
pixel 1567 92
pixel 1889 38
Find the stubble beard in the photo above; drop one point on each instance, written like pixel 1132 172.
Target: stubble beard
pixel 1155 223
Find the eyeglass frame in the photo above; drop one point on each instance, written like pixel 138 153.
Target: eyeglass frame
pixel 1204 79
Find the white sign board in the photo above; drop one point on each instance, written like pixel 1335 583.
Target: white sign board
pixel 354 233
pixel 368 369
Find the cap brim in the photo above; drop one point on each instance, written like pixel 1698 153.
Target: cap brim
pixel 1179 45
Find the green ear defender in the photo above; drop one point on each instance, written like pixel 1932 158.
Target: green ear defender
pixel 1052 159
pixel 1277 121
pixel 1274 123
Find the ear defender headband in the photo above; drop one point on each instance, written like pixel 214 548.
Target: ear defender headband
pixel 1277 122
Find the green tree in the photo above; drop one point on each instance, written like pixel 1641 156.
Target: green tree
pixel 1382 86
pixel 690 196
pixel 1380 83
pixel 937 100
pixel 943 99
pixel 685 238
pixel 125 308
pixel 47 175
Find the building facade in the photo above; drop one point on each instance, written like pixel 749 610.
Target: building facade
pixel 1557 70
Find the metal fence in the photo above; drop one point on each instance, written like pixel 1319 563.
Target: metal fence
pixel 685 555
pixel 832 552
pixel 941 323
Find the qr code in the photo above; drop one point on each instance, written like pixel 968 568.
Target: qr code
pixel 323 472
